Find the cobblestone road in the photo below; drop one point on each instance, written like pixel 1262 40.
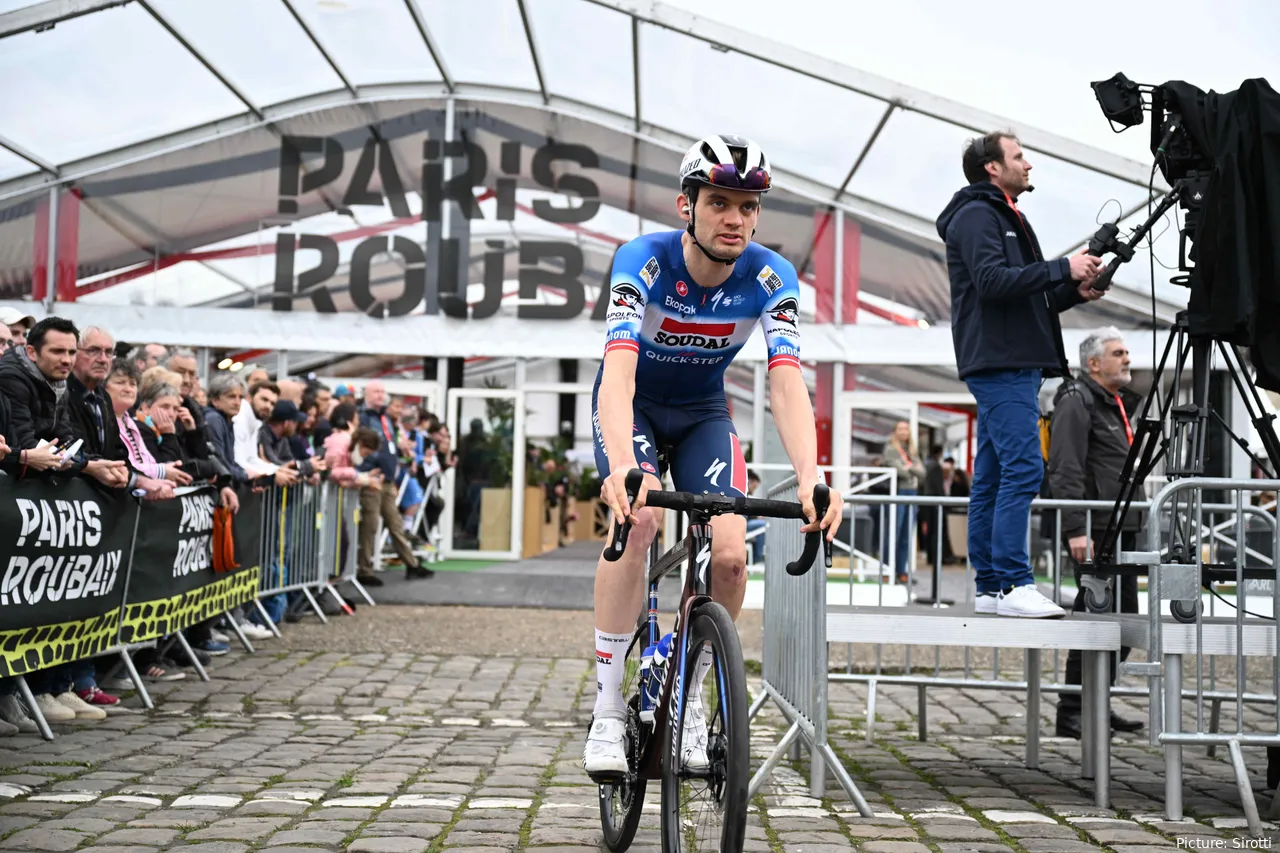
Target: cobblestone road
pixel 404 753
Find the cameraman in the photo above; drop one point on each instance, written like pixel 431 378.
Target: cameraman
pixel 1005 301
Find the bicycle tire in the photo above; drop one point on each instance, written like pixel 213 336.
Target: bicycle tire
pixel 728 748
pixel 620 832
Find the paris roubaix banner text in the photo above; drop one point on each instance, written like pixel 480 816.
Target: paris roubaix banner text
pixel 173 585
pixel 64 559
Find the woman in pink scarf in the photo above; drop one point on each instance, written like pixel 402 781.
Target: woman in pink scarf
pixel 158 480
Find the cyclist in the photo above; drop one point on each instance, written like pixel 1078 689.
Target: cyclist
pixel 681 306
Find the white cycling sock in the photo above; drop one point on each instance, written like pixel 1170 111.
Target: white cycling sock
pixel 700 669
pixel 610 665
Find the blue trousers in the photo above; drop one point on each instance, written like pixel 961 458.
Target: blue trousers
pixel 1007 473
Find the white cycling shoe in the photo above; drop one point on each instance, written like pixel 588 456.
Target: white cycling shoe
pixel 693 742
pixel 605 751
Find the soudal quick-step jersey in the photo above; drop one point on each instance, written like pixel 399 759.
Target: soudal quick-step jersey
pixel 686 335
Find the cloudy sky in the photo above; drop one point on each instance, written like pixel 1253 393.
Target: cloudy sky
pixel 1031 62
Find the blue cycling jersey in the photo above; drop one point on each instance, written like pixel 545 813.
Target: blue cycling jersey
pixel 685 334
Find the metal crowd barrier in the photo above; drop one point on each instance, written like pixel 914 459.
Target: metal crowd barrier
pixel 293 540
pixel 795 632
pixel 339 541
pixel 431 551
pixel 1191 631
pixel 791 630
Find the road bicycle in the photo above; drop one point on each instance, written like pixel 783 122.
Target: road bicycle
pixel 654 746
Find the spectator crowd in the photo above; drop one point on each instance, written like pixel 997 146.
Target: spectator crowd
pixel 139 420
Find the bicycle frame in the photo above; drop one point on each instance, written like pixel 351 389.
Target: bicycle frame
pixel 697 589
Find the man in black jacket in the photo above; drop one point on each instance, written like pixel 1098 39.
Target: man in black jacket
pixel 1005 300
pixel 92 415
pixel 34 379
pixel 226 392
pixel 1089 442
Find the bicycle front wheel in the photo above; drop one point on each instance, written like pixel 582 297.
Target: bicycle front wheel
pixel 704 800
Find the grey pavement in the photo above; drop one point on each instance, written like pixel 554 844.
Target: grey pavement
pixel 406 752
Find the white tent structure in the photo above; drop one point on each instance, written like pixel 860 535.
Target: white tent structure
pixel 146 182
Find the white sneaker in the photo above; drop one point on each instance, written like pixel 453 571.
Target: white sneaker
pixel 12 712
pixel 80 708
pixel 985 603
pixel 1028 603
pixel 219 637
pixel 605 750
pixel 254 631
pixel 693 741
pixel 54 711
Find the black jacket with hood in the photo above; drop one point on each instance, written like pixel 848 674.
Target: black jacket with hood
pixel 1005 297
pixel 36 411
pixel 1088 445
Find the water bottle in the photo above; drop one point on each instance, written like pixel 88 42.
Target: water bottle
pixel 649 686
pixel 657 673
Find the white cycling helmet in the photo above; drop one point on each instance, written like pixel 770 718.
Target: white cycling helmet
pixel 729 162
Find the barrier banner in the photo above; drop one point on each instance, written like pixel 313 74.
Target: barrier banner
pixel 173 585
pixel 64 558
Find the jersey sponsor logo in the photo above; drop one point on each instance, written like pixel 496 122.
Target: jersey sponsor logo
pixel 649 272
pixel 682 288
pixel 646 466
pixel 679 306
pixel 683 358
pixel 626 295
pixel 786 311
pixel 675 333
pixel 769 280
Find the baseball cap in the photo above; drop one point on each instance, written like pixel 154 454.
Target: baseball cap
pixel 285 410
pixel 12 317
pixel 343 391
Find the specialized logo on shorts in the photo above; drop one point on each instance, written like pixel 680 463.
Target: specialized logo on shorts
pixel 769 280
pixel 682 288
pixel 643 441
pixel 675 333
pixel 649 272
pixel 713 473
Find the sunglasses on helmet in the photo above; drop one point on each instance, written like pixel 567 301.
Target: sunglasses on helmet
pixel 726 175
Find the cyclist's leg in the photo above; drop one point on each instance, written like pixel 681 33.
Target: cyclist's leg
pixel 708 459
pixel 618 593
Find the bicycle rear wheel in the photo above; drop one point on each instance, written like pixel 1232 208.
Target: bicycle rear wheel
pixel 707 811
pixel 621 800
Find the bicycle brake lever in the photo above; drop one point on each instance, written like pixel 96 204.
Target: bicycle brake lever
pixel 613 551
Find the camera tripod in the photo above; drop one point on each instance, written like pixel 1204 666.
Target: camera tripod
pixel 1184 445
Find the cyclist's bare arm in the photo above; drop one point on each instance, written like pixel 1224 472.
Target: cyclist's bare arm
pixel 614 406
pixel 793 414
pixel 789 396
